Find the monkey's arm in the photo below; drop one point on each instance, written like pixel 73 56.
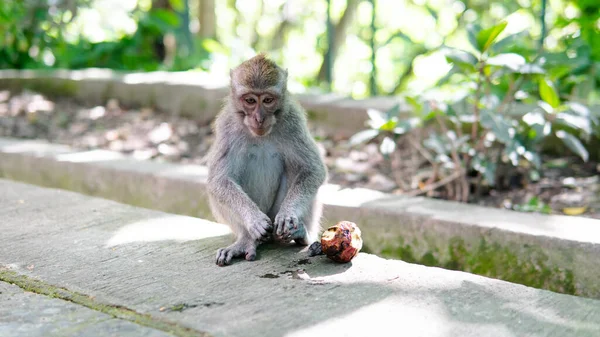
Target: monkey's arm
pixel 306 173
pixel 232 197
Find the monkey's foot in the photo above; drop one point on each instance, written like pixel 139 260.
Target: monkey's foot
pixel 244 247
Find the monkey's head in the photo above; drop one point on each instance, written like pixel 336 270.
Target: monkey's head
pixel 258 89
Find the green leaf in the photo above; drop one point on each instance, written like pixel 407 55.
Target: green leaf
pixel 538 132
pixel 432 12
pixel 486 37
pixel 509 41
pixel 497 124
pixel 363 137
pixel 387 146
pixel 579 109
pixel 548 93
pixel 393 111
pixel 511 61
pixel 490 173
pixel 577 122
pixel 546 107
pixel 428 114
pixel 485 167
pixel 407 125
pixel 463 59
pixel 531 69
pixel 511 150
pixel 435 143
pixel 376 118
pixel 533 118
pixel 573 144
pixel 454 70
pixel 164 19
pixel 472 32
pixel 177 5
pixel 389 125
pixel 414 103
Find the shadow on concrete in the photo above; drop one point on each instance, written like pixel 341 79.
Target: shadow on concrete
pixel 320 297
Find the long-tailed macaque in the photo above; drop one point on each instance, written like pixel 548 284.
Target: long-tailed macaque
pixel 264 167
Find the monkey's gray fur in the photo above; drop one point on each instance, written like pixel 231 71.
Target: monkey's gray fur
pixel 264 187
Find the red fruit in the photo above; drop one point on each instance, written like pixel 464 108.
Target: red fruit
pixel 341 242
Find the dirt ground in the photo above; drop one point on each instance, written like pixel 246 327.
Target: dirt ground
pixel 565 185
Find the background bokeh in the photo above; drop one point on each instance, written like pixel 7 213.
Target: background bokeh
pixel 500 98
pixel 397 48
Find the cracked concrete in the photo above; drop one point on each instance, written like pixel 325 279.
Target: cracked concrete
pixel 26 314
pixel 162 265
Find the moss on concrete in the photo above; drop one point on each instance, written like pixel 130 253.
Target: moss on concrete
pixel 52 87
pixel 491 260
pixel 116 311
pixel 314 116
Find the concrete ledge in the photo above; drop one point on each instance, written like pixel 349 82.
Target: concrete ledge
pixel 557 253
pixel 185 93
pixel 161 267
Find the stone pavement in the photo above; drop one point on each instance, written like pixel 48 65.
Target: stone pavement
pixel 28 314
pixel 95 267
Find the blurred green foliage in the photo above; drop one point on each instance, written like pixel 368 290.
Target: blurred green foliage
pixel 388 47
pixel 33 37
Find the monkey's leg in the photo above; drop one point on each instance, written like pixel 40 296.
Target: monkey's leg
pixel 300 225
pixel 244 246
pixel 296 230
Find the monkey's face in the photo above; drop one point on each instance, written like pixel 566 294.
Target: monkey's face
pixel 259 111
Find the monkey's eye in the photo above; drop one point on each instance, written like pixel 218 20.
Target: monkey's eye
pixel 268 100
pixel 250 100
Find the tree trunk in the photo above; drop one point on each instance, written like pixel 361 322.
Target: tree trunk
pixel 207 18
pixel 161 50
pixel 339 31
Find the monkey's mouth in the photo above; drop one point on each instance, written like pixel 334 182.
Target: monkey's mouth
pixel 260 131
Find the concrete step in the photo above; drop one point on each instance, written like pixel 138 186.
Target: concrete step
pixel 158 268
pixel 557 253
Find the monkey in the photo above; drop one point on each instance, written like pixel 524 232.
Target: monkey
pixel 264 167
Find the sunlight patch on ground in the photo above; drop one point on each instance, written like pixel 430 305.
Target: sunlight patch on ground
pixel 90 156
pixel 397 274
pixel 187 171
pixel 558 226
pixel 204 79
pixel 31 147
pixel 351 197
pixel 175 228
pixel 400 316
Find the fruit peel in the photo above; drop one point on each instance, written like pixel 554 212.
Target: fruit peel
pixel 342 242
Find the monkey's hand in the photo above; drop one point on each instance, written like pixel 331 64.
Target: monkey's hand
pixel 288 226
pixel 259 227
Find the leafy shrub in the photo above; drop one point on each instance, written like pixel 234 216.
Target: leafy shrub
pixel 480 137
